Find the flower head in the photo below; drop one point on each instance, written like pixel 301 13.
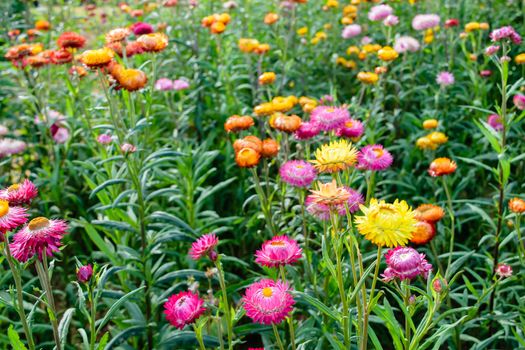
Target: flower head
pixel 352 128
pixel 140 28
pixel 429 212
pixel 406 43
pixel 104 139
pixel 519 101
pixel 445 79
pixel 329 118
pixel 9 147
pixel 379 12
pixel 307 130
pixel 517 205
pixel 335 156
pixel 503 270
pixel 268 302
pixel 297 173
pixel 183 308
pixel 237 123
pixel 374 157
pixel 84 273
pixel 71 40
pixel 391 21
pixel 97 58
pixel 424 232
pixel 41 236
pixel 442 166
pixel 180 84
pixel 386 224
pixel 164 84
pixel 494 121
pixel 18 194
pixel 405 263
pixel 204 245
pixel 351 31
pixel 278 251
pixel 506 33
pixel 128 148
pixel 329 194
pixel 11 217
pixel 423 22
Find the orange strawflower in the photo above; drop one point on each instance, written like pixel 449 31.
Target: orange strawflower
pixel 96 58
pixel 267 78
pixel 247 158
pixel 251 141
pixel 442 166
pixel 153 42
pixel 71 40
pixel 423 233
pixel 42 25
pixel 429 212
pixel 237 123
pixel 270 148
pixel 286 123
pixel 517 205
pixel 271 18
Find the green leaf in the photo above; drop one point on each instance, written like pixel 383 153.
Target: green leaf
pixel 318 305
pixel 105 184
pixel 63 326
pixel 14 339
pixel 101 244
pixel 114 308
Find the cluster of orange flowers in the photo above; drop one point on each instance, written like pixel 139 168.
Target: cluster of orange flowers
pixel 253 46
pixel 216 23
pixel 284 104
pixel 250 149
pixel 349 14
pixel 148 7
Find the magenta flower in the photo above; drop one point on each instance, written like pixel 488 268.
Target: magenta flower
pixel 506 33
pixel 128 148
pixel 180 84
pixel 268 302
pixel 204 245
pixel 9 147
pixel 374 157
pixel 84 273
pixel 491 50
pixel 406 43
pixel 320 211
pixel 405 263
pixel 379 12
pixel 423 22
pixel 11 217
pixel 329 118
pixel 141 28
pixel 351 31
pixel 60 134
pixel 307 130
pixel 19 194
pixel 326 99
pixel 183 308
pixel 297 173
pixel 519 101
pixel 485 73
pixel 353 202
pixel 104 139
pixel 278 251
pixel 391 21
pixel 40 236
pixel 352 128
pixel 494 121
pixel 164 84
pixel 503 270
pixel 445 79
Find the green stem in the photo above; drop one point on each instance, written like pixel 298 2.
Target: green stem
pixel 198 335
pixel 406 299
pixel 277 337
pixel 289 318
pixel 225 304
pixel 264 202
pixel 43 274
pixel 368 304
pixel 19 293
pixel 452 225
pixel 93 334
pixel 371 186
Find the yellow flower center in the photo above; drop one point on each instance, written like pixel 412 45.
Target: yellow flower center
pixel 267 292
pixel 330 110
pixel 278 243
pixel 13 188
pixel 38 223
pixel 378 152
pixel 4 208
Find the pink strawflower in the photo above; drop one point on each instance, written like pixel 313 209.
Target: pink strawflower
pixel 268 302
pixel 128 148
pixel 19 194
pixel 180 84
pixel 491 50
pixel 352 128
pixel 504 33
pixel 204 245
pixel 329 118
pixel 183 308
pixel 60 134
pixel 307 130
pixel 141 28
pixel 374 157
pixel 3 130
pixel 278 251
pixel 353 202
pixel 519 101
pixel 423 22
pixel 40 236
pixel 405 263
pixel 320 211
pixel 503 270
pixel 485 73
pixel 84 273
pixel 326 99
pixel 9 147
pixel 391 21
pixel 379 12
pixel 351 31
pixel 406 43
pixel 445 79
pixel 164 84
pixel 104 139
pixel 11 217
pixel 494 121
pixel 366 40
pixel 297 173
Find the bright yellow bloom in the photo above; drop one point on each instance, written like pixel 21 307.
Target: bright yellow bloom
pixel 329 194
pixel 349 9
pixel 430 124
pixel 352 50
pixel 386 224
pixel 425 143
pixel 302 31
pixel 335 156
pixel 387 54
pixel 472 26
pixel 368 77
pixel 369 48
pixel 332 3
pixel 520 59
pixel 438 137
pixel 267 78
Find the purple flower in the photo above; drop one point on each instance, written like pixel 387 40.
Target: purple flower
pixel 164 84
pixel 406 43
pixel 180 84
pixel 84 273
pixel 427 21
pixel 519 101
pixel 140 28
pixel 307 130
pixel 374 157
pixel 504 33
pixel 445 79
pixel 297 173
pixel 494 121
pixel 351 31
pixel 405 263
pixel 379 12
pixel 104 139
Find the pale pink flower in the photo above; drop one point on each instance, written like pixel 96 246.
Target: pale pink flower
pixel 426 21
pixel 60 134
pixel 406 43
pixel 379 12
pixel 519 101
pixel 491 50
pixel 351 31
pixel 391 21
pixel 128 148
pixel 183 308
pixel 268 302
pixel 278 251
pixel 445 79
pixel 503 270
pixel 41 236
pixel 164 84
pixel 505 33
pixel 180 84
pixel 104 139
pixel 494 121
pixel 9 147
